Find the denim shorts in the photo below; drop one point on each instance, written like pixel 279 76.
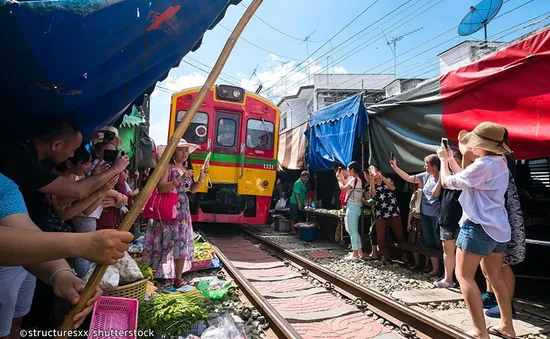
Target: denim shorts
pixel 473 238
pixel 448 233
pixel 16 293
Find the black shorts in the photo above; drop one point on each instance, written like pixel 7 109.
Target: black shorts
pixel 296 214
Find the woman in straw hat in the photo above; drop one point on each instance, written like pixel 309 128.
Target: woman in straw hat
pixel 485 231
pixel 169 246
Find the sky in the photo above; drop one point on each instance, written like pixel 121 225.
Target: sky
pixel 343 37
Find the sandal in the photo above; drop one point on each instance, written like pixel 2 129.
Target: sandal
pixel 178 283
pixel 444 284
pixel 369 258
pixel 498 333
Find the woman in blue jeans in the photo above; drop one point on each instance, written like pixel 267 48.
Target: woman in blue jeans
pixel 354 187
pixel 429 209
pixel 485 231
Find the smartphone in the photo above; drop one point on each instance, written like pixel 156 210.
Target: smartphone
pixel 392 156
pixel 111 155
pixel 445 142
pixel 207 160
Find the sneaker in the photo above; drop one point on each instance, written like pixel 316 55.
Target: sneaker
pixel 489 300
pixel 351 257
pixel 444 284
pixel 494 312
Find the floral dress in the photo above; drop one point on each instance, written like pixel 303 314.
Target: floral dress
pixel 169 240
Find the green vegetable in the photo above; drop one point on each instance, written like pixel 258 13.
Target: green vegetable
pixel 147 271
pixel 173 315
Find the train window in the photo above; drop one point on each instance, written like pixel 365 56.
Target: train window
pixel 227 129
pixel 197 132
pixel 259 134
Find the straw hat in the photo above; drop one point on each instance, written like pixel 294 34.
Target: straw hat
pixel 114 130
pixel 181 144
pixel 487 136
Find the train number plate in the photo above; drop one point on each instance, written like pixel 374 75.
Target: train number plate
pixel 269 167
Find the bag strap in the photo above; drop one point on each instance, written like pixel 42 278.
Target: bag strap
pixel 351 191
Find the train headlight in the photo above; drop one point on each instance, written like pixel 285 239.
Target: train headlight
pixel 230 93
pixel 265 183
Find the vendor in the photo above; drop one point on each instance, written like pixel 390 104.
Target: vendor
pixel 298 200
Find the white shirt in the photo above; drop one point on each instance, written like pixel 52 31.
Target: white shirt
pixel 483 186
pixel 356 192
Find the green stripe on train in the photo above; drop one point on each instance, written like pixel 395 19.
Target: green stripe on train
pixel 217 157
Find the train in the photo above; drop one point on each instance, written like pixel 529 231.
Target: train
pixel 240 131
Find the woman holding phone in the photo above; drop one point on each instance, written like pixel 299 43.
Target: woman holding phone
pixel 429 209
pixel 169 246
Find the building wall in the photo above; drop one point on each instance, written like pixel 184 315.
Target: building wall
pixel 393 89
pixel 464 54
pixel 294 111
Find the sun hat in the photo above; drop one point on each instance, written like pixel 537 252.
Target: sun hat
pixel 487 136
pixel 113 130
pixel 181 144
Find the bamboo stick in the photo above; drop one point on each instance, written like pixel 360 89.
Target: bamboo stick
pixel 142 198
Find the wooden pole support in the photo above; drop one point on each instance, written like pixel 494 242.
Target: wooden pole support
pixel 142 198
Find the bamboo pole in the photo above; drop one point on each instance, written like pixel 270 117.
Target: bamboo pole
pixel 142 198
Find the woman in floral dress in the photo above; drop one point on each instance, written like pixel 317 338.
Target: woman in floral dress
pixel 169 246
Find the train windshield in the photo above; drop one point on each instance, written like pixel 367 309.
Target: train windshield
pixel 259 134
pixel 198 129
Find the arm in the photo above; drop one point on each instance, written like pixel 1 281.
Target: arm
pixel 404 175
pixel 437 189
pixel 409 219
pixel 69 211
pixel 79 189
pixel 388 183
pixel 93 207
pixel 349 185
pixel 17 231
pixel 165 186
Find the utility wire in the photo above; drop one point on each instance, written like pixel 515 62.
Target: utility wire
pixel 369 26
pixel 430 49
pixel 259 47
pixel 278 30
pixel 367 43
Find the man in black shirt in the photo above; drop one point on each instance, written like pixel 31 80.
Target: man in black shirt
pixel 29 164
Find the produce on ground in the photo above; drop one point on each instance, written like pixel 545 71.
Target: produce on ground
pixel 174 314
pixel 147 271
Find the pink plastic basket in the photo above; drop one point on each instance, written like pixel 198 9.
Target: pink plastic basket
pixel 112 316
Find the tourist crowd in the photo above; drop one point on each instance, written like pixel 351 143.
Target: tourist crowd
pixel 61 202
pixel 465 203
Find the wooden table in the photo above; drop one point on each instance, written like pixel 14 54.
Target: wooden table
pixel 330 233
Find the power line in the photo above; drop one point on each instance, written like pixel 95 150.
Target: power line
pixel 259 47
pixel 355 77
pixel 365 44
pixel 297 66
pixel 279 31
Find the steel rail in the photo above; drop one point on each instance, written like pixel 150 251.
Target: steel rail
pixel 279 325
pixel 427 326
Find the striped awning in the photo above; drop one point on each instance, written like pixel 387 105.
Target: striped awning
pixel 292 148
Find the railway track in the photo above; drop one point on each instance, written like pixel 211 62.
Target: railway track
pixel 302 299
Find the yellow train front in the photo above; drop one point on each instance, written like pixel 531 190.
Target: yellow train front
pixel 241 130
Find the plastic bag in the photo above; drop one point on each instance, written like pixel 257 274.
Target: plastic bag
pixel 110 279
pixel 281 204
pixel 222 327
pixel 128 270
pixel 214 289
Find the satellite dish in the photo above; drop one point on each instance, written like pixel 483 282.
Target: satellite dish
pixel 479 16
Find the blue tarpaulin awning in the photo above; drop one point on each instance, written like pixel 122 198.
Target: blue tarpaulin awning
pixel 334 132
pixel 90 60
